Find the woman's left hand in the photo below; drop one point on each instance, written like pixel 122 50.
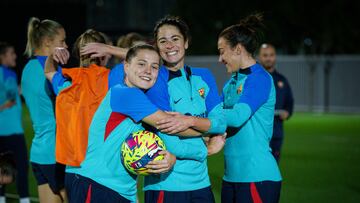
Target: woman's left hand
pixel 161 166
pixel 175 123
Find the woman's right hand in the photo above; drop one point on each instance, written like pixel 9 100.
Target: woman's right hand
pixel 61 55
pixel 216 143
pixel 95 50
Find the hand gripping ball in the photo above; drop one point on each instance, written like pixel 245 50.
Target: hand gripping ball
pixel 138 149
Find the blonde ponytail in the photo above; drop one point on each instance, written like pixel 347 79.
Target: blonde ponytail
pixel 88 36
pixel 37 30
pixel 33 25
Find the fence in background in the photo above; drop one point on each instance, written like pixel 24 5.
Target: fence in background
pixel 319 83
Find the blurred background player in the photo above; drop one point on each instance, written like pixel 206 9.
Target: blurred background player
pixel 91 83
pixel 251 172
pixel 42 37
pixel 131 39
pixel 7 172
pixel 284 99
pixel 11 131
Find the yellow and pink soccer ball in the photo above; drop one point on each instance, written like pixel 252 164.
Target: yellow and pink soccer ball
pixel 138 149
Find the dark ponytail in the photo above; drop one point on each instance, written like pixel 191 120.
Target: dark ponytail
pixel 248 33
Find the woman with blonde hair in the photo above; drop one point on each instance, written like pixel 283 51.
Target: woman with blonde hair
pixel 42 37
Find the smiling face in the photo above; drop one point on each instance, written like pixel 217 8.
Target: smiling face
pixel 142 69
pixel 172 46
pixel 229 56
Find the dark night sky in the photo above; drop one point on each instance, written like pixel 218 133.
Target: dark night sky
pixel 330 27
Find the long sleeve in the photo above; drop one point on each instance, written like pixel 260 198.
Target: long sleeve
pixel 289 99
pixel 184 150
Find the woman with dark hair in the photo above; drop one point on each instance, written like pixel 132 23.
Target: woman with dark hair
pixel 192 97
pixel 191 93
pixel 251 172
pixel 140 73
pixel 100 176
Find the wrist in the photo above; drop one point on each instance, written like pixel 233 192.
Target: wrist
pixel 210 150
pixel 109 49
pixel 192 121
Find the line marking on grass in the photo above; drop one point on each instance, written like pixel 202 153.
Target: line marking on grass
pixel 15 196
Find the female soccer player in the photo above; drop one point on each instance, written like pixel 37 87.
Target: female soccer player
pixel 125 42
pixel 61 55
pixel 42 37
pixel 190 91
pixel 251 172
pixel 11 131
pixel 76 107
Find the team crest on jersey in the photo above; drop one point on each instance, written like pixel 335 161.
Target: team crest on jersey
pixel 202 92
pixel 240 89
pixel 280 84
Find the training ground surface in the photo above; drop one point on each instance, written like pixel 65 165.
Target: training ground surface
pixel 320 160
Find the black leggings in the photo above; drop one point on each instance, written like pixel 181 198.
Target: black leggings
pixel 16 145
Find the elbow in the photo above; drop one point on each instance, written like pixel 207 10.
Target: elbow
pixel 239 116
pixel 203 153
pixel 235 124
pixel 217 124
pixel 236 121
pixel 220 128
pixel 203 156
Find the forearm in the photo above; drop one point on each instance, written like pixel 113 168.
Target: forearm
pixel 237 116
pixel 184 150
pixel 214 124
pixel 159 115
pixel 217 120
pixel 190 133
pixel 117 51
pixel 200 124
pixel 7 104
pixel 50 68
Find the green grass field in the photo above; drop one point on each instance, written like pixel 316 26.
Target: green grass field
pixel 320 160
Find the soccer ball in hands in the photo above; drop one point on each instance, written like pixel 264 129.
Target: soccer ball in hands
pixel 138 149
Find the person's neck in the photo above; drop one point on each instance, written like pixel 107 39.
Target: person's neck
pixel 271 69
pixel 41 52
pixel 5 65
pixel 127 82
pixel 175 67
pixel 86 64
pixel 246 62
